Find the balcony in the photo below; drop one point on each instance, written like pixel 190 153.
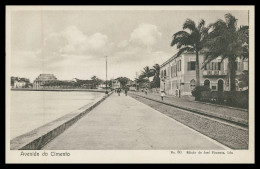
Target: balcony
pixel 211 73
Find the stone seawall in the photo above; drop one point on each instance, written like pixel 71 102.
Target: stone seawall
pixel 36 139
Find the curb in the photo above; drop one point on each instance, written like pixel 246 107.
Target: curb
pixel 36 139
pixel 232 119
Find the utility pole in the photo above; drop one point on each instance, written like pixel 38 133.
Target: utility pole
pixel 106 76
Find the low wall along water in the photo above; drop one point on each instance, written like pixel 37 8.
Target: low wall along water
pixel 36 139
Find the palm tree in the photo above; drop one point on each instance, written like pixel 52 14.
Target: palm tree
pixel 228 41
pixel 191 41
pixel 156 77
pixel 142 82
pixel 147 73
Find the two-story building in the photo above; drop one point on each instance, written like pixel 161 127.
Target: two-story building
pixel 178 74
pixel 42 79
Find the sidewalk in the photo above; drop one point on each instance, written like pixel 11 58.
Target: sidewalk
pixel 189 102
pixel 123 123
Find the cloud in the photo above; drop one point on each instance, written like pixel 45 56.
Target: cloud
pixel 122 44
pixel 72 53
pixel 145 34
pixel 74 42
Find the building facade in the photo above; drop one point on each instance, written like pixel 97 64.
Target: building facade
pixel 42 79
pixel 19 84
pixel 116 84
pixel 178 75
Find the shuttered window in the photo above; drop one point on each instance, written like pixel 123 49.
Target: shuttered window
pixel 219 65
pixel 191 65
pixel 179 65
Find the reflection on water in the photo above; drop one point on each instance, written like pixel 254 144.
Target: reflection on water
pixel 32 109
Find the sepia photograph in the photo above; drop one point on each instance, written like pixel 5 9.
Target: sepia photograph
pixel 130 84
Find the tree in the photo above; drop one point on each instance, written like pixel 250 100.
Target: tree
pixel 191 41
pixel 156 77
pixel 96 81
pixel 123 80
pixel 147 73
pixel 142 82
pixel 228 41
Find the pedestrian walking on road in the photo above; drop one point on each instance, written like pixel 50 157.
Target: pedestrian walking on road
pixel 146 90
pixel 126 89
pixel 162 95
pixel 118 91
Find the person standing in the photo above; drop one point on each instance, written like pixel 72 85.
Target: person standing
pixel 126 89
pixel 162 95
pixel 118 91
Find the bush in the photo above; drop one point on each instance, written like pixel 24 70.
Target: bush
pixel 237 98
pixel 229 98
pixel 197 91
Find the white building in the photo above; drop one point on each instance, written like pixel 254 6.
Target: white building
pixel 178 74
pixel 116 84
pixel 19 84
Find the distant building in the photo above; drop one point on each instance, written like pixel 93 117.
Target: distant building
pixel 74 80
pixel 19 84
pixel 178 74
pixel 116 84
pixel 102 86
pixel 42 79
pixel 130 83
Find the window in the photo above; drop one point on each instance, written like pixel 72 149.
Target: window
pixel 175 70
pixel 207 83
pixel 212 65
pixel 191 65
pixel 172 71
pixel 219 65
pixel 179 65
pixel 164 73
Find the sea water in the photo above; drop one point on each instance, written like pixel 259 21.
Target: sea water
pixel 32 109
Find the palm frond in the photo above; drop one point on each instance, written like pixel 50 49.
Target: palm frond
pixel 189 24
pixel 201 24
pixel 208 57
pixel 185 49
pixel 181 36
pixel 231 21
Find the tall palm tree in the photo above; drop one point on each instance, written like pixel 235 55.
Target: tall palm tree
pixel 191 41
pixel 147 72
pixel 228 41
pixel 142 81
pixel 156 77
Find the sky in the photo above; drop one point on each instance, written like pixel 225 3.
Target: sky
pixel 73 43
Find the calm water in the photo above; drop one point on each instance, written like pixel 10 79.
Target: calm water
pixel 32 109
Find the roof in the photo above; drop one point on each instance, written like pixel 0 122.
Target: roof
pixel 45 77
pixel 175 56
pixel 169 60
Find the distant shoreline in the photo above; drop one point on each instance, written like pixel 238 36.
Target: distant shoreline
pixel 62 90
